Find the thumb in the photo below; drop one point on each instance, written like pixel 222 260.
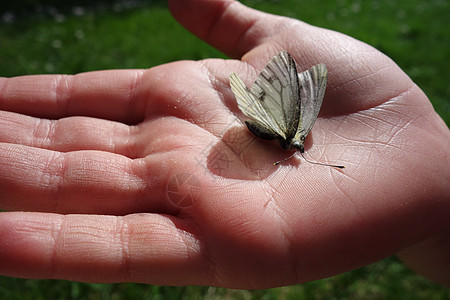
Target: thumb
pixel 226 25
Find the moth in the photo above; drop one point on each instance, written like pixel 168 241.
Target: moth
pixel 283 104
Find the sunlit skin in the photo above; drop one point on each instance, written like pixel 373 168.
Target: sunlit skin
pixel 85 163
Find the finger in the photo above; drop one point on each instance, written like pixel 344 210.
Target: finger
pixel 187 90
pixel 35 179
pixel 184 90
pixel 82 133
pixel 226 25
pixel 69 134
pixel 137 248
pixel 103 94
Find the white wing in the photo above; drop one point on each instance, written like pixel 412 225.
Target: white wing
pixel 252 107
pixel 274 99
pixel 313 83
pixel 277 87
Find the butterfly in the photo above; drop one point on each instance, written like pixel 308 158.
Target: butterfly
pixel 283 104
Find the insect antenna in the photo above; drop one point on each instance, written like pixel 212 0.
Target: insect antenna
pixel 322 164
pixel 311 162
pixel 283 160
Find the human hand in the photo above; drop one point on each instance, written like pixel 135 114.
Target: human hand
pixel 97 161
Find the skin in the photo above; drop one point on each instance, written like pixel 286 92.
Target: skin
pixel 88 165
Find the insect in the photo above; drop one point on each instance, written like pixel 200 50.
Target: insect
pixel 283 104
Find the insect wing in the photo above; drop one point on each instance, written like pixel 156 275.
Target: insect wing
pixel 252 107
pixel 313 83
pixel 277 89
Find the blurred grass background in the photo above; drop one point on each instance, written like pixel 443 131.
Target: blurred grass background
pixel 76 36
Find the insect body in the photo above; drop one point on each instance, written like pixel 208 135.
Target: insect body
pixel 282 104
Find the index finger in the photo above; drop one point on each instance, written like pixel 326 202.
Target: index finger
pixel 101 94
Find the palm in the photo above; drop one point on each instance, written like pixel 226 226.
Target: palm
pixel 169 142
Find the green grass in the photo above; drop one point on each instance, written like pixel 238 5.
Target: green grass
pixel 413 33
pixel 96 40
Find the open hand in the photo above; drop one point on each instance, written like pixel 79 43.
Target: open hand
pixel 151 176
